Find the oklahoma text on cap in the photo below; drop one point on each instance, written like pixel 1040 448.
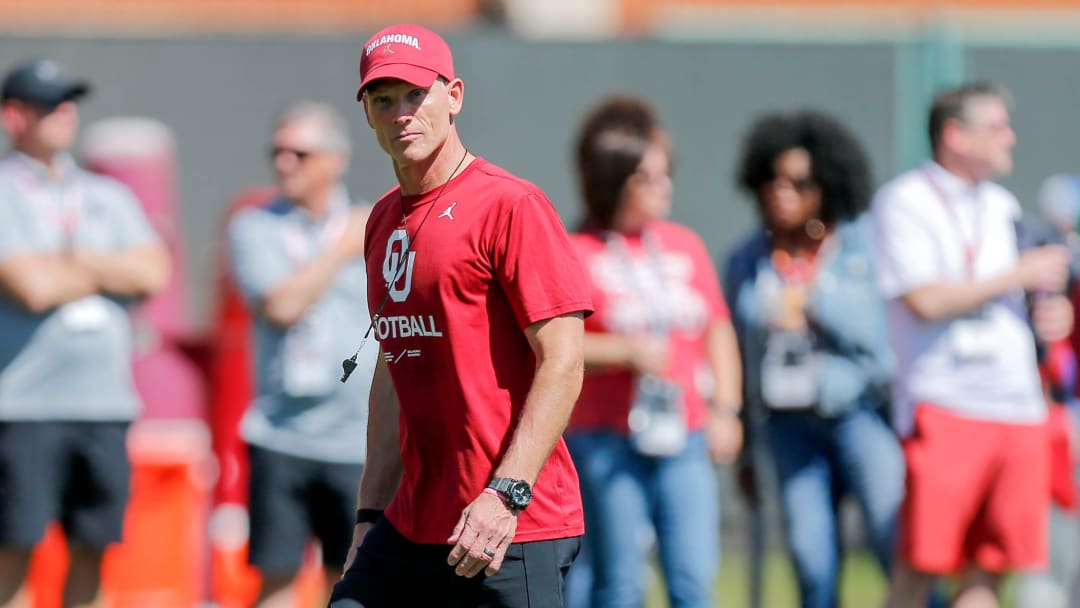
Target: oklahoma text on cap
pixel 406 52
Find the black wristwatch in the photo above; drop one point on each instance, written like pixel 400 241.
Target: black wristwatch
pixel 516 492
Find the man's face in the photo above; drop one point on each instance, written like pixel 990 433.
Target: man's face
pixel 987 137
pixel 411 123
pixel 50 130
pixel 301 163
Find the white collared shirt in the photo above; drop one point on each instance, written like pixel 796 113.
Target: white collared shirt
pixel 926 222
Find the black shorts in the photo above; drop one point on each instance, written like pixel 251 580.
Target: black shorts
pixel 76 473
pixel 390 570
pixel 294 499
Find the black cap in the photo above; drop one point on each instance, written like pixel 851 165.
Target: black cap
pixel 42 82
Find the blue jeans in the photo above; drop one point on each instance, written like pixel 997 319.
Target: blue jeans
pixel 818 460
pixel 624 493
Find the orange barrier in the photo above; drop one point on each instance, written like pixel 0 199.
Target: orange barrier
pixel 162 559
pixel 233 583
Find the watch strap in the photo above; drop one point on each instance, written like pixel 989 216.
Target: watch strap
pixel 502 484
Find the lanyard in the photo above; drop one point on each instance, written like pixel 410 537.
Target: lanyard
pixel 797 271
pixel 64 211
pixel 803 271
pixel 971 248
pixel 654 303
pixel 349 365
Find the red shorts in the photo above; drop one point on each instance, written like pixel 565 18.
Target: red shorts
pixel 976 492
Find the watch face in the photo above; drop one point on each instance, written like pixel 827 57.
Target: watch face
pixel 520 495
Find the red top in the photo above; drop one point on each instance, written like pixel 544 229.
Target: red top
pixel 492 258
pixel 629 298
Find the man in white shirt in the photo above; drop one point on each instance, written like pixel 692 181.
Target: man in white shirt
pixel 967 396
pixel 298 259
pixel 76 250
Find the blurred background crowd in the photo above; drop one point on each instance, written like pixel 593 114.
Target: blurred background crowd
pixel 193 106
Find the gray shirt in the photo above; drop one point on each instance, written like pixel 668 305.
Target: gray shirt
pixel 72 362
pixel 300 407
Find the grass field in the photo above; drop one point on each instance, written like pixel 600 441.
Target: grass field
pixel 862 585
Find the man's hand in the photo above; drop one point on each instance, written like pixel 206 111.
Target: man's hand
pixel 482 536
pixel 359 532
pixel 1052 317
pixel 351 242
pixel 1043 268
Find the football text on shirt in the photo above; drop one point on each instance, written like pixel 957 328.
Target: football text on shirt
pixel 406 326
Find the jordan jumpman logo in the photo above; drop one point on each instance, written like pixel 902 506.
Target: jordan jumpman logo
pixel 449 212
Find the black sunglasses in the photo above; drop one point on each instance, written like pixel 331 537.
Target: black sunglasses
pixel 801 185
pixel 300 155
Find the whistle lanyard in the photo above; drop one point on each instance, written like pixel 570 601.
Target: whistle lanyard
pixel 63 209
pixel 652 302
pixel 972 246
pixel 349 365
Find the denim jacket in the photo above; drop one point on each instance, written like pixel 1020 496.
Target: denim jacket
pixel 846 314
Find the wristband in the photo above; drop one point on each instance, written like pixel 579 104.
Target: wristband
pixel 495 492
pixel 368 516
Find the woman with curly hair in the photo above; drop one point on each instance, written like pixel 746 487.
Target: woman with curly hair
pixel 661 393
pixel 812 335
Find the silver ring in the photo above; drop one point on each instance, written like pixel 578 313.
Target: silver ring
pixel 489 553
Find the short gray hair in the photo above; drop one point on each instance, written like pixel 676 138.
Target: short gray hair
pixel 335 131
pixel 952 104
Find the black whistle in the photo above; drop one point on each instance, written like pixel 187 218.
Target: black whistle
pixel 347 367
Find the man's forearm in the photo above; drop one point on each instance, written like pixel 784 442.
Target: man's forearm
pixel 287 302
pixel 555 388
pixel 947 300
pixel 41 282
pixel 383 469
pixel 135 272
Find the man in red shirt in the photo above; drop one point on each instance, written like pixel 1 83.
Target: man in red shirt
pixel 479 315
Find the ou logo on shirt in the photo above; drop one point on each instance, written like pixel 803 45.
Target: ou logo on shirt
pixel 397 271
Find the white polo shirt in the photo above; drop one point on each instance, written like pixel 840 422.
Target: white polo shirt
pixel 72 362
pixel 930 227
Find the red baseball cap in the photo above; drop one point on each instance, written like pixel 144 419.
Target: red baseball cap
pixel 407 52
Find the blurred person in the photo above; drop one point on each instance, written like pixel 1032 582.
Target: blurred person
pixel 469 496
pixel 1059 204
pixel 967 398
pixel 661 396
pixel 75 251
pixel 1050 588
pixel 811 326
pixel 298 260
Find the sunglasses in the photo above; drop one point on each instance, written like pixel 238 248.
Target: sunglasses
pixel 300 155
pixel 802 185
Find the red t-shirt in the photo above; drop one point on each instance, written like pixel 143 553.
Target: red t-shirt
pixel 629 298
pixel 492 258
